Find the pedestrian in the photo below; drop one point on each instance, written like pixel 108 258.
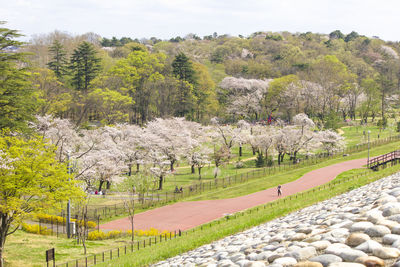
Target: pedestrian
pixel 279 190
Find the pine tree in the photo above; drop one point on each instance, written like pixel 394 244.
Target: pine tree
pixel 17 102
pixel 59 61
pixel 183 69
pixel 184 72
pixel 84 66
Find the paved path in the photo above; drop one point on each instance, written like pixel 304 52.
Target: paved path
pixel 186 215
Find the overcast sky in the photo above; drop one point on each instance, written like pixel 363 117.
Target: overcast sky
pixel 169 18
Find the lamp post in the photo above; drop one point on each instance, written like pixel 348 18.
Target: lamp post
pixel 368 147
pixel 69 202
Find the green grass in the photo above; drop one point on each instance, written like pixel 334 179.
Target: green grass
pixel 355 134
pixel 24 249
pixel 252 217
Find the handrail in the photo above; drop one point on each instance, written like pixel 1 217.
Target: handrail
pixel 382 159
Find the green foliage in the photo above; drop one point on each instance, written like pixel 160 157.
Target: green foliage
pixel 17 99
pixel 32 180
pixel 275 37
pixel 332 121
pixel 382 123
pixel 112 105
pixel 260 160
pixel 84 66
pixel 183 69
pixel 398 127
pixel 58 63
pixel 336 35
pixel 184 72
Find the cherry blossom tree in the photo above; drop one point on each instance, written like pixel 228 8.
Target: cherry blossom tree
pixel 331 141
pixel 244 96
pixel 169 137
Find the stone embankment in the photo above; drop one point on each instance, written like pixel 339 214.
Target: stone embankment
pixel 358 228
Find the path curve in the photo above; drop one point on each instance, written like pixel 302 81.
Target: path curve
pixel 186 215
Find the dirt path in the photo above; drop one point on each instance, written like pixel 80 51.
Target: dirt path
pixel 186 215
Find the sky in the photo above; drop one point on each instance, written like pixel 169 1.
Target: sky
pixel 165 19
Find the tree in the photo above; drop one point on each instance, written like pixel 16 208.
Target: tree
pixel 138 183
pixel 336 35
pixel 58 63
pixel 84 66
pixel 204 94
pixel 17 99
pixel 32 180
pixel 244 96
pixel 53 97
pixel 138 73
pixel 330 141
pixel 111 105
pixel 184 72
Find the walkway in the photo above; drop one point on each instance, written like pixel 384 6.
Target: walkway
pixel 186 215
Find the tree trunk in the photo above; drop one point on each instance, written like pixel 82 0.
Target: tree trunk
pixel 3 235
pixel 108 184
pixel 137 167
pixel 129 170
pixel 160 182
pixel 101 185
pixel 199 173
pixel 240 151
pixel 254 151
pixel 193 171
pixel 172 165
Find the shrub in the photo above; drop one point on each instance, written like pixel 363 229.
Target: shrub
pixel 260 160
pixel 100 235
pixel 58 219
pixel 35 229
pixel 382 123
pixel 269 161
pixel 239 164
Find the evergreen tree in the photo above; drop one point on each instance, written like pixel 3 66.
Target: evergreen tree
pixel 58 64
pixel 17 102
pixel 84 66
pixel 184 72
pixel 183 69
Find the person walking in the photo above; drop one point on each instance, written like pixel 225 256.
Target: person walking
pixel 279 190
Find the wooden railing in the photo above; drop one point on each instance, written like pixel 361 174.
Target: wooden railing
pixel 383 159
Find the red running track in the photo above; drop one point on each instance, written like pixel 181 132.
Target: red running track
pixel 186 215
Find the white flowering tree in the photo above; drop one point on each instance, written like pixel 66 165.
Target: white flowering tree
pixel 244 96
pixel 169 137
pixel 331 141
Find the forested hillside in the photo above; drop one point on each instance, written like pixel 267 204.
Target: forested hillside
pixel 330 77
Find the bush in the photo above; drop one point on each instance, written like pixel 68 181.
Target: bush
pixel 100 235
pixel 35 229
pixel 269 161
pixel 332 121
pixel 398 126
pixel 239 164
pixel 58 219
pixel 260 160
pixel 382 123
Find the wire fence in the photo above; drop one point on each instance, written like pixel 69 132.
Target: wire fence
pixel 117 252
pixel 155 198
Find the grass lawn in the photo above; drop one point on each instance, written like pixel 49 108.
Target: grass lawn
pixel 24 249
pixel 355 134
